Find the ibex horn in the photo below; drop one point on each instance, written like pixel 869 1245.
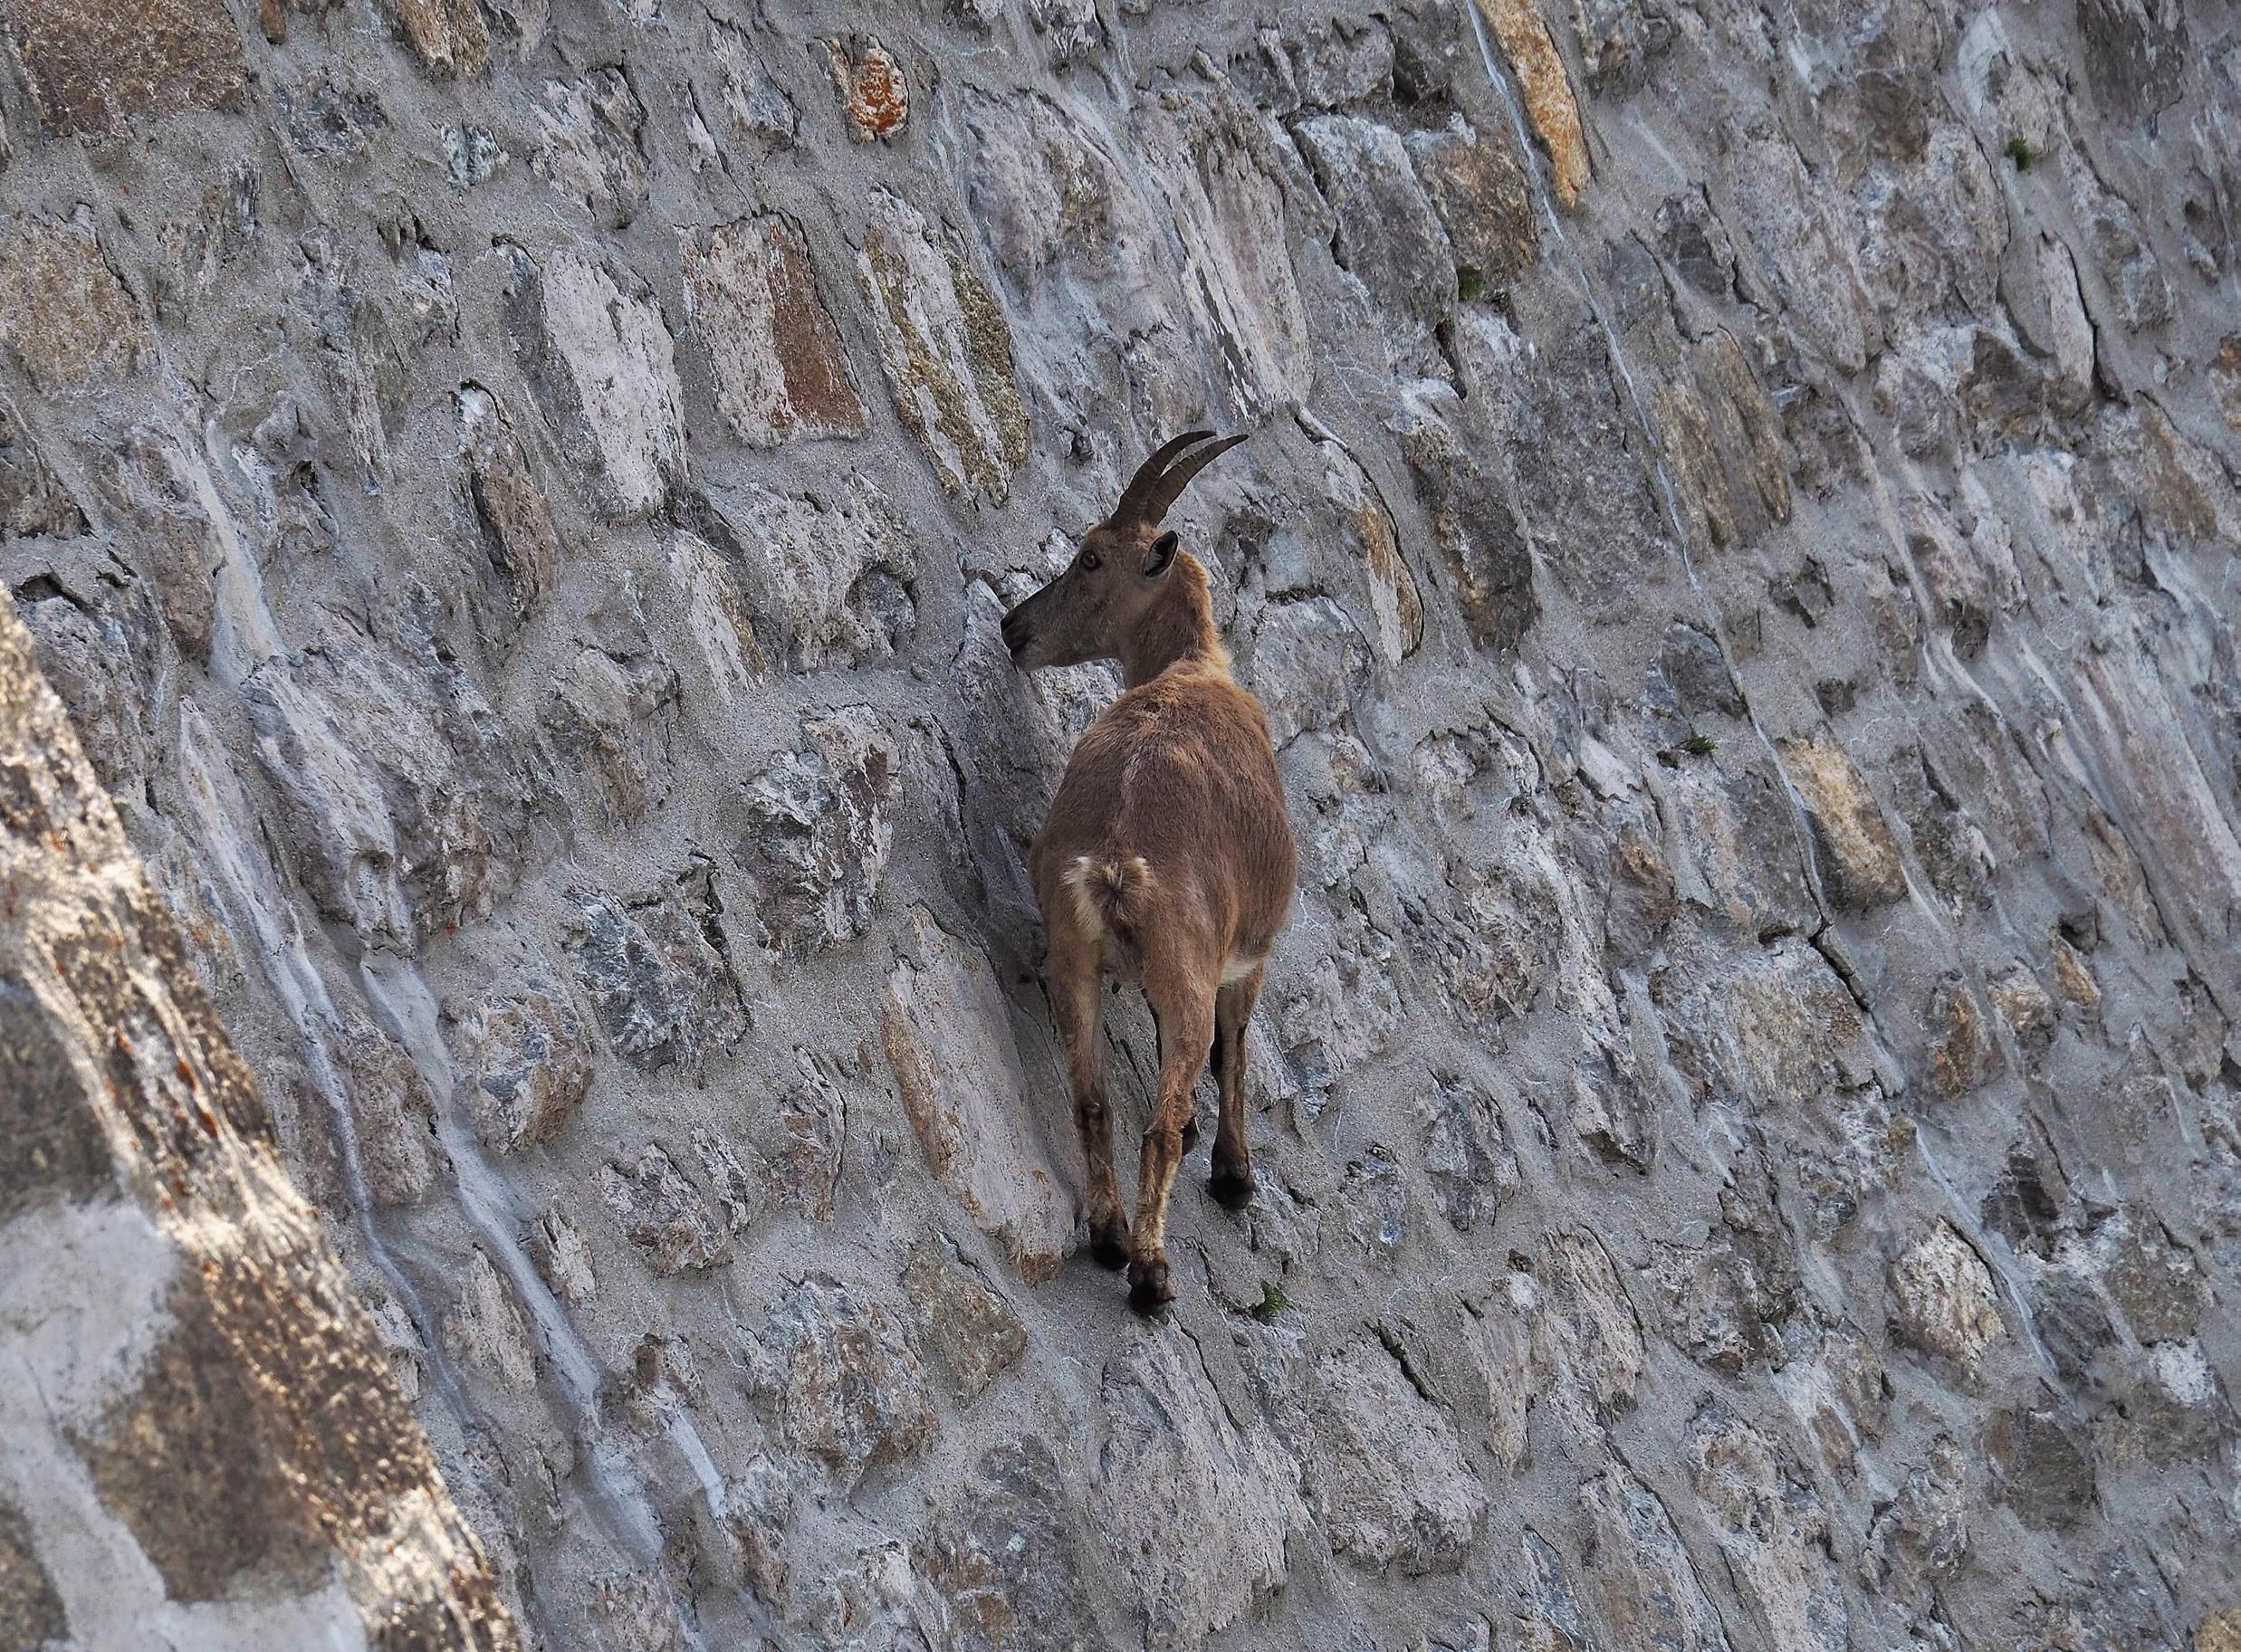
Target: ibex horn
pixel 1156 486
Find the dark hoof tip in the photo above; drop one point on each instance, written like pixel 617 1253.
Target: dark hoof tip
pixel 1232 1189
pixel 1148 1290
pixel 1108 1247
pixel 1189 1134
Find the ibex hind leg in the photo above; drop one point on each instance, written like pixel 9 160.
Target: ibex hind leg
pixel 1075 997
pixel 1232 1183
pixel 1185 1017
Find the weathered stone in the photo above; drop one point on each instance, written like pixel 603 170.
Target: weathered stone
pixel 611 718
pixel 484 1327
pixel 33 499
pixel 1388 234
pixel 63 311
pixel 1310 665
pixel 2040 1469
pixel 849 1389
pixel 1962 1053
pixel 32 1613
pixel 1636 1571
pixel 1389 1485
pixel 1860 862
pixel 803 1165
pixel 963 1322
pixel 948 1038
pixel 587 146
pixel 95 65
pixel 1005 1558
pixel 509 507
pixel 1773 1531
pixel 1922 1538
pixel 1588 1334
pixel 329 119
pixel 393 1113
pixel 778 365
pixel 528 1057
pixel 399 791
pixel 831 578
pixel 1549 102
pixel 872 92
pixel 564 1259
pixel 664 1215
pixel 450 36
pixel 166 533
pixel 1478 531
pixel 1343 1013
pixel 1195 1508
pixel 1474 1170
pixel 663 988
pixel 818 833
pixel 602 364
pixel 946 349
pixel 1485 202
pixel 1071 26
pixel 1942 1297
pixel 757 105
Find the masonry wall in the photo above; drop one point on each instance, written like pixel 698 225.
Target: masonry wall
pixel 1737 545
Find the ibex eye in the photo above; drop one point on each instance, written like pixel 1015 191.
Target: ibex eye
pixel 1092 561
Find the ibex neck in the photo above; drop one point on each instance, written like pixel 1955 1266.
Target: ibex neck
pixel 1179 626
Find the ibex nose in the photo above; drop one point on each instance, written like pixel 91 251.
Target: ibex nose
pixel 1015 632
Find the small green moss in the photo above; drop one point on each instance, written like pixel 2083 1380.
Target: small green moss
pixel 1700 745
pixel 1470 284
pixel 2020 151
pixel 1272 1302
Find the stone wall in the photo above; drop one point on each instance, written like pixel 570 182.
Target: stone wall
pixel 1736 546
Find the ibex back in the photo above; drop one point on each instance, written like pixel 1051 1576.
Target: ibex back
pixel 1167 858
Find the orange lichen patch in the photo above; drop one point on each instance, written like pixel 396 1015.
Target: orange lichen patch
pixel 1549 102
pixel 871 87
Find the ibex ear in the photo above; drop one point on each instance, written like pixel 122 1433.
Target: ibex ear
pixel 1163 555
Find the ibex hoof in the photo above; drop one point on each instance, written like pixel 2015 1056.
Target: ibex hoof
pixel 1108 1246
pixel 1148 1290
pixel 1232 1188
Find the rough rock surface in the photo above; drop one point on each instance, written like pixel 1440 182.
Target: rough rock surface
pixel 517 496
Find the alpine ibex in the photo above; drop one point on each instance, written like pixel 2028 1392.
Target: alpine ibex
pixel 1167 858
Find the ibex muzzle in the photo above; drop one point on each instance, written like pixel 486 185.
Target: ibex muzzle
pixel 1167 857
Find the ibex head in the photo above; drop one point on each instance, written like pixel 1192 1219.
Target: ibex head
pixel 1100 605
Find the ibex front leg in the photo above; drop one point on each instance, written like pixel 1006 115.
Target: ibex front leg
pixel 1184 1009
pixel 1076 993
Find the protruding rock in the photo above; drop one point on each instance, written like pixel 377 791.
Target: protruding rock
pixel 1005 1558
pixel 393 1112
pixel 528 1061
pixel 1549 102
pixel 450 36
pixel 963 1321
pixel 847 1387
pixel 63 309
pixel 947 1033
pixel 1478 531
pixel 1474 1168
pixel 1942 1297
pixel 871 84
pixel 1196 1507
pixel 1638 1571
pixel 517 528
pixel 947 350
pixel 778 365
pixel 93 65
pixel 166 533
pixel 831 578
pixel 1388 234
pixel 1390 1485
pixel 1773 1530
pixel 484 1326
pixel 1853 841
pixel 1485 201
pixel 600 359
pixel 817 833
pixel 589 149
pixel 663 986
pixel 664 1215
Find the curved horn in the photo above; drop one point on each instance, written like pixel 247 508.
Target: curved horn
pixel 1169 487
pixel 1147 476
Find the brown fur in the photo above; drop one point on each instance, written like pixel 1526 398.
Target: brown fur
pixel 1167 859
